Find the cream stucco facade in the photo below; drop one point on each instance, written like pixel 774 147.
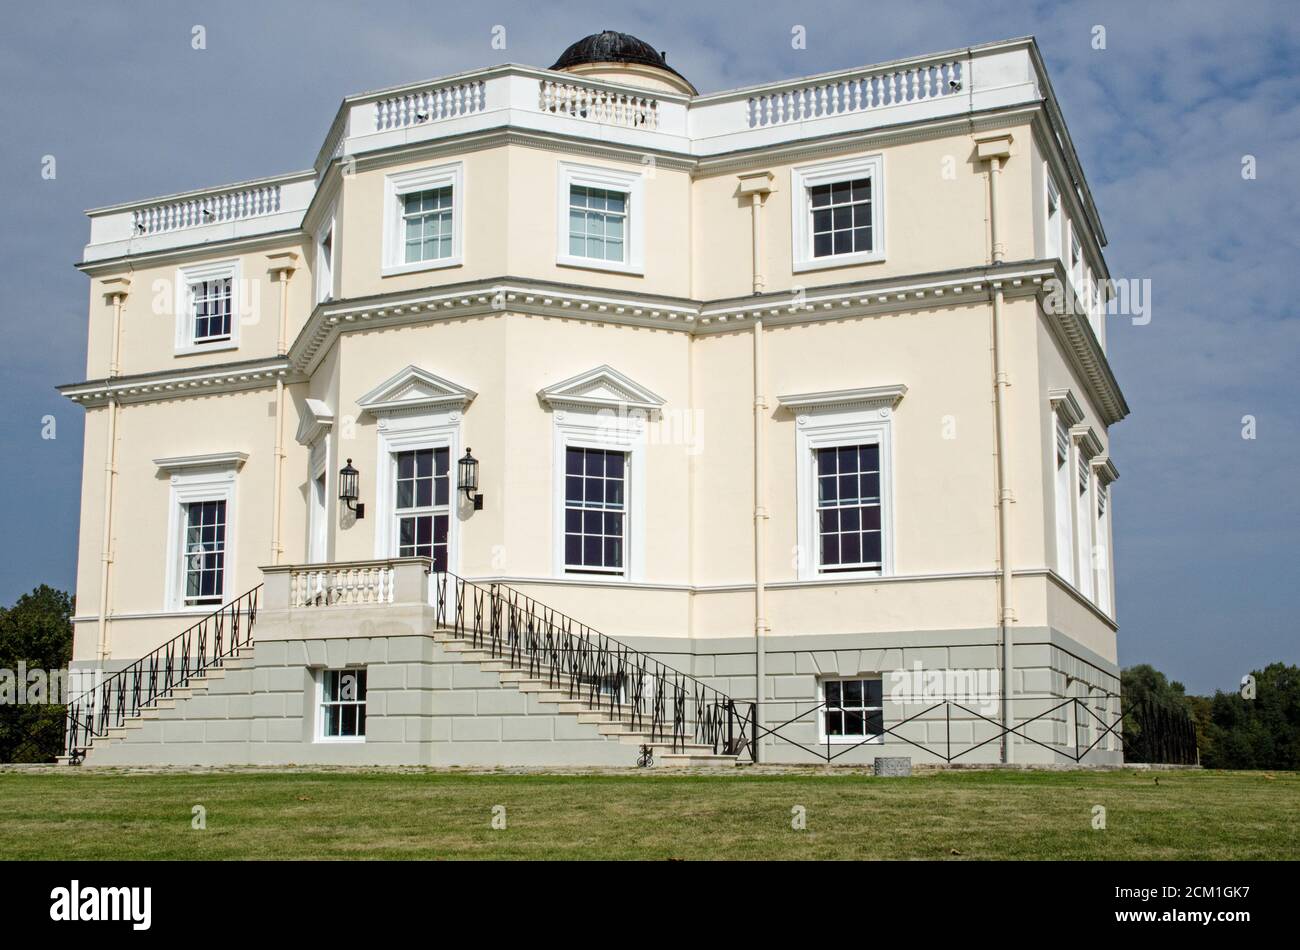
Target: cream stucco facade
pixel 716 397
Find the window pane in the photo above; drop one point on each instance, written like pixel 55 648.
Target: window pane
pixel 852 692
pixel 871 547
pixel 871 692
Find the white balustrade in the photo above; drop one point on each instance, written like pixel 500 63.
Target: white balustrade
pixel 610 106
pixel 207 209
pixel 857 93
pixel 430 105
pixel 341 585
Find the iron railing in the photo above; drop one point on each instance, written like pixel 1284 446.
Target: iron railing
pixel 1083 714
pixel 172 666
pixel 670 706
pixel 1154 732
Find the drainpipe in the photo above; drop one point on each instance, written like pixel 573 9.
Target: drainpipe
pixel 758 187
pixel 115 292
pixel 996 150
pixel 281 269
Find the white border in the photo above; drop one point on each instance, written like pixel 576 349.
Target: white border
pixel 213 483
pixel 805 177
pixel 403 183
pixel 324 294
pixel 404 432
pixel 185 276
pixel 611 430
pixel 821 713
pixel 318 517
pixel 591 176
pixel 826 429
pixel 318 675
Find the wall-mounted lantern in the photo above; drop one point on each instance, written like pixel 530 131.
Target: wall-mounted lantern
pixel 348 489
pixel 467 479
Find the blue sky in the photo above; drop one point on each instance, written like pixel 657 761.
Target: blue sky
pixel 1206 522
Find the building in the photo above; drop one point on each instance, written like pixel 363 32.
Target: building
pixel 797 392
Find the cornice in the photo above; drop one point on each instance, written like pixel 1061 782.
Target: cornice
pixel 191 381
pixel 498 296
pixel 1069 324
pixel 1105 468
pixel 1088 441
pixel 1064 402
pixel 871 397
pixel 214 460
pixel 273 239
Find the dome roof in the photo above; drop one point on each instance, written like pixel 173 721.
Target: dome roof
pixel 609 46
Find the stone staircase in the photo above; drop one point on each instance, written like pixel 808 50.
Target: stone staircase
pixel 240 659
pixel 615 723
pixel 472 679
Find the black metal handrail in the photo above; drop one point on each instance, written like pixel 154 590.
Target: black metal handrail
pixel 124 694
pixel 650 696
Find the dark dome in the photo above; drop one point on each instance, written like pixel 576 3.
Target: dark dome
pixel 609 46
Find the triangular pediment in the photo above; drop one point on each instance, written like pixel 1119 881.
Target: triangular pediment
pixel 415 388
pixel 600 388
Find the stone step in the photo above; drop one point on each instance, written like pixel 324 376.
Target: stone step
pixel 687 760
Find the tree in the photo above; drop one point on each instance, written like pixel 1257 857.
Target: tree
pixel 1258 733
pixel 35 632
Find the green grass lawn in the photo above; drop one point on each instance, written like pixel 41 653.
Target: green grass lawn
pixel 356 814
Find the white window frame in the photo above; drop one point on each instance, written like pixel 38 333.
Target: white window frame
pixel 610 179
pixel 808 176
pixel 186 277
pixel 1061 480
pixel 326 268
pixel 403 432
pixel 1052 235
pixel 1075 263
pixel 614 431
pixel 878 739
pixel 831 429
pixel 215 482
pixel 400 184
pixel 318 534
pixel 1082 489
pixel 1101 543
pixel 320 704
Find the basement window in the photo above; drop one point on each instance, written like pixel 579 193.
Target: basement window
pixel 854 710
pixel 342 705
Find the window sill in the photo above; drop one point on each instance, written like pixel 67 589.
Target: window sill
pixel 853 740
pixel 821 575
pixel 190 349
pixel 394 270
pixel 612 267
pixel 594 573
pixel 340 740
pixel 840 260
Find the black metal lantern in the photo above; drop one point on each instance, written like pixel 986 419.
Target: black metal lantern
pixel 349 480
pixel 467 479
